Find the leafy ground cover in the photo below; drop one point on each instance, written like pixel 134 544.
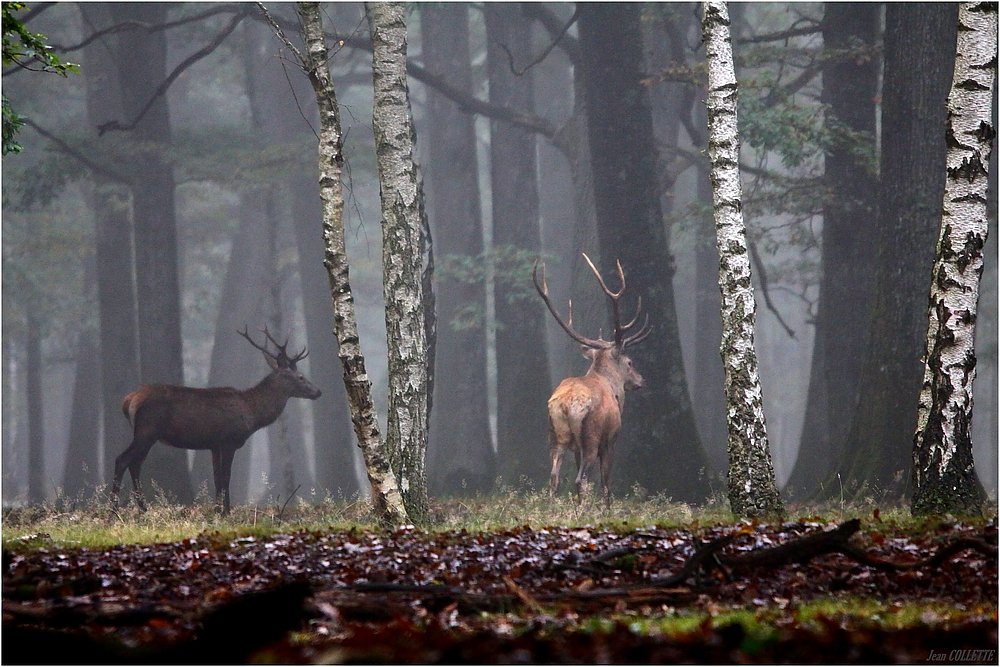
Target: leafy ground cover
pixel 479 587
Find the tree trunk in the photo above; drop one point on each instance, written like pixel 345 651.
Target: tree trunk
pixel 919 62
pixel 142 67
pixel 849 214
pixel 33 385
pixel 113 245
pixel 944 475
pixel 402 244
pixel 82 470
pixel 460 456
pixel 660 448
pixel 385 494
pixel 522 355
pixel 752 491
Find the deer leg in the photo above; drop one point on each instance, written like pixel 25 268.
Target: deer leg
pixel 605 458
pixel 222 475
pixel 131 459
pixel 584 467
pixel 216 472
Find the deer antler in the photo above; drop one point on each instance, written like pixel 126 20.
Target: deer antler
pixel 621 340
pixel 282 358
pixel 543 290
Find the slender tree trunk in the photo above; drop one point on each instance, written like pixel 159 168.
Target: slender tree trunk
pixel 849 215
pixel 33 385
pixel 460 456
pixel 402 229
pixel 113 244
pixel 142 67
pixel 386 497
pixel 659 424
pixel 752 491
pixel 919 63
pixel 522 355
pixel 944 475
pixel 82 470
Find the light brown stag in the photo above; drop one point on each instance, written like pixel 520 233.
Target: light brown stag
pixel 585 413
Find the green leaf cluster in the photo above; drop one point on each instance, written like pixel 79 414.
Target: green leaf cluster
pixel 29 51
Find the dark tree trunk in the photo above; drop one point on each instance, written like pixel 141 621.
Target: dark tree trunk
pixel 142 67
pixel 919 61
pixel 113 253
pixel 849 88
pixel 82 453
pixel 33 385
pixel 460 456
pixel 659 447
pixel 522 355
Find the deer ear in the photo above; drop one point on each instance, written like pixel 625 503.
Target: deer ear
pixel 588 352
pixel 271 361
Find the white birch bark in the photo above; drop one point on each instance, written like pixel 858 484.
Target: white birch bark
pixel 386 498
pixel 752 491
pixel 402 230
pixel 944 476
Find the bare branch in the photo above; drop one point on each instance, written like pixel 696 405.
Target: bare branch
pixel 163 87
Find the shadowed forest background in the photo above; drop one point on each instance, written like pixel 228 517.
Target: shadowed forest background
pixel 166 197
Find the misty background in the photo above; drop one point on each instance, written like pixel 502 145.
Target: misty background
pixel 141 231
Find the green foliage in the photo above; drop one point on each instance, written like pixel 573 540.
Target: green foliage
pixel 510 268
pixel 29 51
pixel 11 126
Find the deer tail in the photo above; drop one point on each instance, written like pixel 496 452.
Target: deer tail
pixel 129 405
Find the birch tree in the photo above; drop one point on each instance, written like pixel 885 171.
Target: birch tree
pixel 386 498
pixel 944 476
pixel 402 243
pixel 752 491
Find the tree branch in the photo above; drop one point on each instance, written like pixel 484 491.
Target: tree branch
pixel 554 26
pixel 163 87
pixel 77 155
pixel 125 26
pixel 544 54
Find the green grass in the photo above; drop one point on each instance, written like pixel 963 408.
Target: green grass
pixel 94 523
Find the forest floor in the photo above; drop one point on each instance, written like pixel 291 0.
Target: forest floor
pixel 614 590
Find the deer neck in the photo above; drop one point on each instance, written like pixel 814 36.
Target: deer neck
pixel 266 401
pixel 606 368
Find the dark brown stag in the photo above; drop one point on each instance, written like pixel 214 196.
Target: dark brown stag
pixel 219 419
pixel 585 412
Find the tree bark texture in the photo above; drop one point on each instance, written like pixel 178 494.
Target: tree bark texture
pixel 460 457
pixel 142 66
pixel 522 355
pixel 659 446
pixel 919 63
pixel 386 498
pixel 402 243
pixel 850 79
pixel 944 475
pixel 752 491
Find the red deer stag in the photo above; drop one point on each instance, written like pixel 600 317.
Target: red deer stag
pixel 585 412
pixel 219 419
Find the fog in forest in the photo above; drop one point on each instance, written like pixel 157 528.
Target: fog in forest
pixel 143 229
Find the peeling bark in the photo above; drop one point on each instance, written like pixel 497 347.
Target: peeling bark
pixel 385 494
pixel 752 490
pixel 944 476
pixel 403 221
